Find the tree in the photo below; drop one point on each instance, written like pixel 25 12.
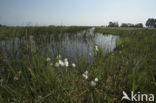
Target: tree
pixel 127 25
pixel 139 25
pixel 113 24
pixel 124 25
pixel 151 22
pixel 2 25
pixel 131 25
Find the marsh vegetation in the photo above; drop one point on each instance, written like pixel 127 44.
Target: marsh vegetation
pixel 75 64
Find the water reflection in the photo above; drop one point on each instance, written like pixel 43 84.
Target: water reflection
pixel 72 46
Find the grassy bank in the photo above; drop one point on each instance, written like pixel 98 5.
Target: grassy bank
pixel 7 32
pixel 35 79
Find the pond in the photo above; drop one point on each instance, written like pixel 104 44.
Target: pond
pixel 73 46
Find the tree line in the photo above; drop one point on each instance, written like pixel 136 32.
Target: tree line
pixel 151 22
pixel 2 25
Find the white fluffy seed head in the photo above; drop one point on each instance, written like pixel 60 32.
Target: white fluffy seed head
pixel 56 64
pixel 90 54
pixel 96 80
pixel 96 48
pixel 65 60
pixel 66 63
pixel 93 83
pixel 73 65
pixel 61 62
pixel 85 76
pixel 48 59
pixel 86 72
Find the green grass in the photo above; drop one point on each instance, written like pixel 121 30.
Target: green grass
pixel 7 32
pixel 132 66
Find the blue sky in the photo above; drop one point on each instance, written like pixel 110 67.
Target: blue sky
pixel 75 12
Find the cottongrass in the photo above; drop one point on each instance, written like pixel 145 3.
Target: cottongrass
pixel 66 62
pixel 85 74
pixel 96 48
pixel 57 64
pixel 62 63
pixel 90 54
pixel 48 59
pixel 93 83
pixel 96 79
pixel 73 65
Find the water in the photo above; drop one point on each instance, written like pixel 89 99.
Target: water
pixel 72 46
